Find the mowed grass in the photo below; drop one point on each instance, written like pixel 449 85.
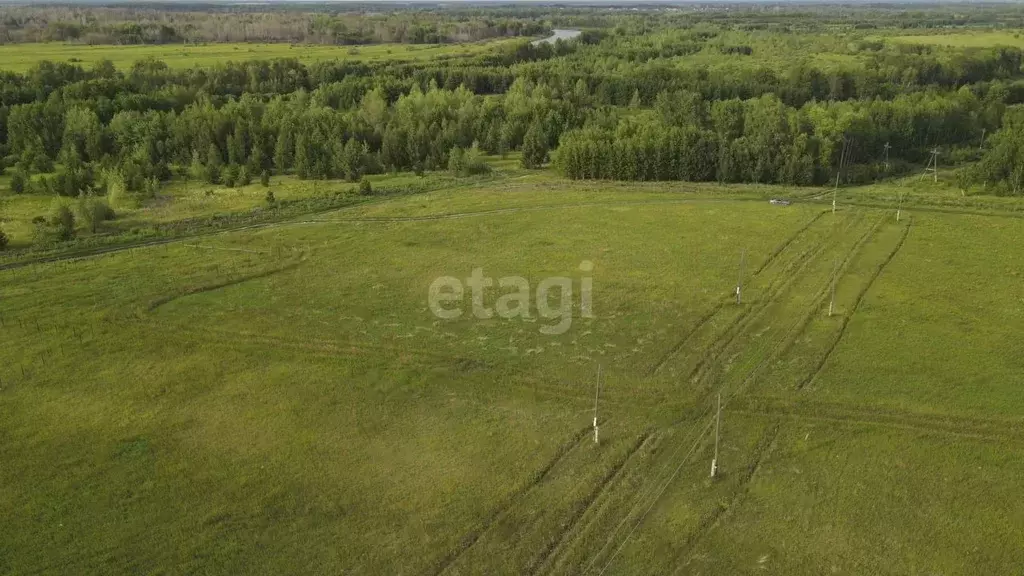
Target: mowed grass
pixel 282 399
pixel 22 57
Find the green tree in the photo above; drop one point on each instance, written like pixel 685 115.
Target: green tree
pixel 535 147
pixel 93 211
pixel 284 150
pixel 214 163
pixel 353 160
pixel 62 222
pixel 244 178
pixel 236 147
pixel 229 176
pixel 455 161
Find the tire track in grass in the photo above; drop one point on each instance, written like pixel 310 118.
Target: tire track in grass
pixel 529 208
pixel 989 429
pixel 609 479
pixel 856 304
pixel 752 313
pixel 763 450
pixel 739 326
pixel 319 348
pixel 153 305
pixel 468 540
pixel 792 238
pixel 784 345
pixel 844 264
pixel 657 494
pixel 800 326
pixel 671 353
pixel 800 264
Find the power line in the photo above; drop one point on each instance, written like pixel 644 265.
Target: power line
pixel 644 496
pixel 839 171
pixel 933 165
pixel 597 394
pixel 658 497
pixel 739 280
pixel 718 426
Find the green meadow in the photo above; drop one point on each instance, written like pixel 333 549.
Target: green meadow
pixel 280 398
pixel 22 57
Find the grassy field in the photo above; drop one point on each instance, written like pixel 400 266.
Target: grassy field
pixel 281 398
pixel 21 57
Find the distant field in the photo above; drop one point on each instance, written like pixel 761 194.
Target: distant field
pixel 21 57
pixel 964 39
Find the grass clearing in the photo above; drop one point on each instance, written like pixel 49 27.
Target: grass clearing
pixel 22 57
pixel 282 398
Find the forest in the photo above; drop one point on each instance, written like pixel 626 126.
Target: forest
pixel 786 97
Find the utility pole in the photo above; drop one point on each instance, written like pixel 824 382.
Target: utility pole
pixel 886 151
pixel 718 425
pixel 839 171
pixel 597 394
pixel 835 271
pixel 933 165
pixel 899 204
pixel 739 280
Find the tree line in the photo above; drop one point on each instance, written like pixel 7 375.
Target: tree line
pixel 609 105
pixel 308 23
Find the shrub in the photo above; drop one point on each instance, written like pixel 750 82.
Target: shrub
pixel 269 198
pixel 473 162
pixel 365 188
pixel 3 240
pixel 62 222
pixel 467 162
pixel 244 179
pixel 93 211
pixel 265 178
pixel 230 176
pixel 18 181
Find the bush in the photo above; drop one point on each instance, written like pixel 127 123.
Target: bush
pixel 230 176
pixel 365 188
pixel 473 162
pixel 62 222
pixel 93 211
pixel 456 158
pixel 269 198
pixel 3 240
pixel 265 178
pixel 244 179
pixel 467 162
pixel 18 181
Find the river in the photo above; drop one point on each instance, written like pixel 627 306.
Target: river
pixel 558 35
